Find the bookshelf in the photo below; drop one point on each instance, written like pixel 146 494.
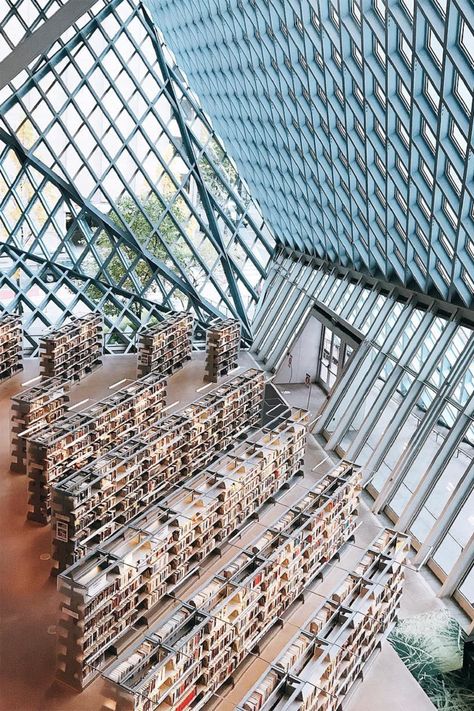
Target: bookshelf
pixel 166 347
pixel 91 504
pixel 11 340
pixel 320 667
pixel 222 348
pixel 123 582
pixel 34 408
pixel 75 440
pixel 186 658
pixel 74 350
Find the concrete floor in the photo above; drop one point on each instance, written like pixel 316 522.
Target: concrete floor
pixel 300 395
pixel 29 602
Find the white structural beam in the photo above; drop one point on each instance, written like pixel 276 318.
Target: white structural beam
pixel 42 39
pixel 395 424
pixel 390 385
pixel 459 570
pixel 443 522
pixel 433 414
pixel 358 390
pixel 436 467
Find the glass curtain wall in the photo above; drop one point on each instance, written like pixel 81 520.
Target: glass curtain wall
pixel 404 407
pixel 116 193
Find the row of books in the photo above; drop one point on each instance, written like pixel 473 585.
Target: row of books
pixel 11 340
pixel 184 660
pixel 112 588
pixel 222 348
pixel 91 504
pixel 31 410
pixel 76 439
pixel 322 663
pixel 166 347
pixel 73 350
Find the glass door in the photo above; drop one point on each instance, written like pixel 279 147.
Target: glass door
pixel 333 356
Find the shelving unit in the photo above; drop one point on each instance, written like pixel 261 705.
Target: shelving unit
pixel 74 350
pixel 166 347
pixel 185 659
pixel 32 409
pixel 11 340
pixel 91 504
pixel 124 581
pixel 222 348
pixel 75 440
pixel 321 665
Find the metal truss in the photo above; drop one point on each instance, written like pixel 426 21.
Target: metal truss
pixel 113 176
pixel 404 406
pixel 44 292
pixel 40 40
pixel 352 120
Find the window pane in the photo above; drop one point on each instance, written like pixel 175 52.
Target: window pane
pixel 459 533
pixel 419 466
pixel 467 587
pixel 441 493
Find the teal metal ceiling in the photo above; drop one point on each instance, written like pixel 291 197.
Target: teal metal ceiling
pixel 352 122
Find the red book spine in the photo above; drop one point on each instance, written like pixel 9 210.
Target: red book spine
pixel 185 702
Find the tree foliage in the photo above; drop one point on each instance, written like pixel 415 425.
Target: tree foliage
pixel 158 233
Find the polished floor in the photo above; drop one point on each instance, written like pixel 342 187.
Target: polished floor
pixel 29 601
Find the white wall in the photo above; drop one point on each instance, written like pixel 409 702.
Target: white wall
pixel 305 352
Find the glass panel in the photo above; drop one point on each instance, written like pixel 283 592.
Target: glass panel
pixel 402 438
pixel 333 349
pixel 425 348
pixel 408 333
pixel 352 317
pixel 371 405
pixel 419 466
pixel 389 323
pixel 372 315
pixel 335 354
pixel 344 298
pixel 348 354
pixel 355 383
pixel 101 119
pixel 443 489
pixel 461 530
pixel 322 355
pixel 467 587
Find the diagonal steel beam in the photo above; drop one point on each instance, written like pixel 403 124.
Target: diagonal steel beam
pixel 422 433
pixel 77 274
pixel 37 73
pixel 450 510
pixel 156 265
pixel 436 467
pixel 40 41
pixel 188 146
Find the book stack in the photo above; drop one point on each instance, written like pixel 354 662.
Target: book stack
pixel 185 659
pixel 129 411
pixel 11 340
pixel 31 410
pixel 222 349
pixel 75 440
pixel 166 347
pixel 321 665
pixel 68 443
pixel 74 350
pixel 91 504
pixel 126 578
